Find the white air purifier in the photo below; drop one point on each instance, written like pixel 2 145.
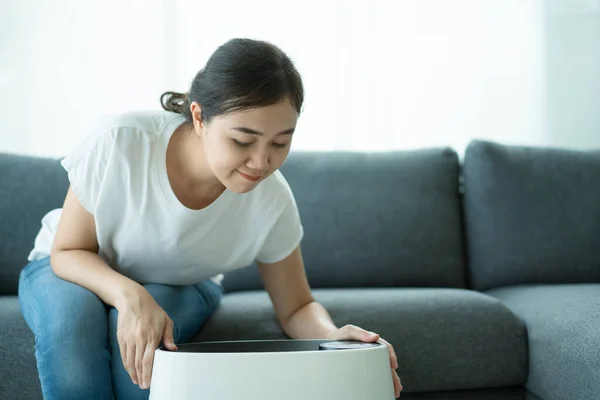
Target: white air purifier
pixel 273 370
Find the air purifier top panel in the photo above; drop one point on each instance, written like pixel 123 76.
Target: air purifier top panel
pixel 271 346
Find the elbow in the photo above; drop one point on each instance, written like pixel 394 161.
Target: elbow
pixel 286 319
pixel 55 261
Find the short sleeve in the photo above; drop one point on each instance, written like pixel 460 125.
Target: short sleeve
pixel 86 167
pixel 285 235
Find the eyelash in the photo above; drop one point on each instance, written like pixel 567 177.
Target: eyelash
pixel 243 144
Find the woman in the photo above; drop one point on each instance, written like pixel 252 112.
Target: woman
pixel 160 205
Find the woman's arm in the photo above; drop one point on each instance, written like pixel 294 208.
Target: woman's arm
pixel 142 323
pixel 299 315
pixel 74 255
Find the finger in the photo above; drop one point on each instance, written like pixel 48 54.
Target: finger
pixel 397 384
pixel 129 362
pixel 372 337
pixel 139 358
pixel 392 352
pixel 356 333
pixel 147 365
pixel 167 337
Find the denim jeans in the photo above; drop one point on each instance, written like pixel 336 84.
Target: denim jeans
pixel 76 345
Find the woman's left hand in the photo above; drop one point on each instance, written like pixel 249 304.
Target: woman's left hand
pixel 352 332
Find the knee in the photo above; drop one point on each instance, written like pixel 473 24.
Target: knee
pixel 212 294
pixel 78 321
pixel 59 310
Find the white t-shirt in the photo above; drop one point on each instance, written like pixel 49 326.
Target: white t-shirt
pixel 119 174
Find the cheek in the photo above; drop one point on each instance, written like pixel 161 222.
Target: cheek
pixel 219 152
pixel 279 156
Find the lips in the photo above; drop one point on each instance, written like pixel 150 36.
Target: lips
pixel 251 178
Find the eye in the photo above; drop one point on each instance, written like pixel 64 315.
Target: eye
pixel 280 145
pixel 241 144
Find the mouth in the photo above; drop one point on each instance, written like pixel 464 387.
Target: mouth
pixel 251 178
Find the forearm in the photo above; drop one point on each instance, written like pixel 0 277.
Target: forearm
pixel 310 322
pixel 88 269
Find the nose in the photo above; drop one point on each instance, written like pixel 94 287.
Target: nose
pixel 259 160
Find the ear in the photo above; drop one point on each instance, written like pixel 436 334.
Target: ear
pixel 197 120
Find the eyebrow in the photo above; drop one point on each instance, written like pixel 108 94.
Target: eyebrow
pixel 253 132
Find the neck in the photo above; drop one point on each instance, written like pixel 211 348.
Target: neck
pixel 189 164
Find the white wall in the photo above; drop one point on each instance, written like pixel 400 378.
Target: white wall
pixel 572 47
pixel 379 74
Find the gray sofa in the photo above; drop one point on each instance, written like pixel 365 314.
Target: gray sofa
pixel 483 272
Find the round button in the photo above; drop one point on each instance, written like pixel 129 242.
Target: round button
pixel 346 345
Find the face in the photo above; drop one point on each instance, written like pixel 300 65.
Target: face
pixel 243 148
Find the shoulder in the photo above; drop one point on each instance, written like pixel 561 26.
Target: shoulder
pixel 112 145
pixel 282 227
pixel 273 196
pixel 119 132
pixel 135 125
pixel 276 187
pixel 269 197
pixel 150 121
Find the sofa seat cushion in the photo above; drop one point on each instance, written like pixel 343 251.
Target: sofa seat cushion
pixel 18 367
pixel 446 339
pixel 563 323
pixel 515 393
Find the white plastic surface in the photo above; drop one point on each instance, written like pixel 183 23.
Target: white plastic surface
pixel 351 374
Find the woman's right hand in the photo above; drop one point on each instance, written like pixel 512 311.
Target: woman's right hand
pixel 141 326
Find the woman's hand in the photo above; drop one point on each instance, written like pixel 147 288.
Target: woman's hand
pixel 141 326
pixel 352 332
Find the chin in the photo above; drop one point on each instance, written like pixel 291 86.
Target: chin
pixel 240 186
pixel 240 190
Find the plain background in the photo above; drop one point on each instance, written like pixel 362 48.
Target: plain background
pixel 379 75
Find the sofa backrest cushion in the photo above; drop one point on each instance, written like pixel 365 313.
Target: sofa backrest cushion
pixel 29 187
pixel 370 219
pixel 532 214
pixel 375 219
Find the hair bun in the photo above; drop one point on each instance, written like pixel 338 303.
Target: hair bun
pixel 174 102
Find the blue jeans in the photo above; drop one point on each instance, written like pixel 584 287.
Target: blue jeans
pixel 76 345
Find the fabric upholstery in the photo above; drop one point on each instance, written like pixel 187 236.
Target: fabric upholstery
pixel 17 355
pixel 446 339
pixel 532 215
pixel 487 340
pixel 563 322
pixel 375 219
pixel 29 188
pixel 476 394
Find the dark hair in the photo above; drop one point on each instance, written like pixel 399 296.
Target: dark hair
pixel 240 74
